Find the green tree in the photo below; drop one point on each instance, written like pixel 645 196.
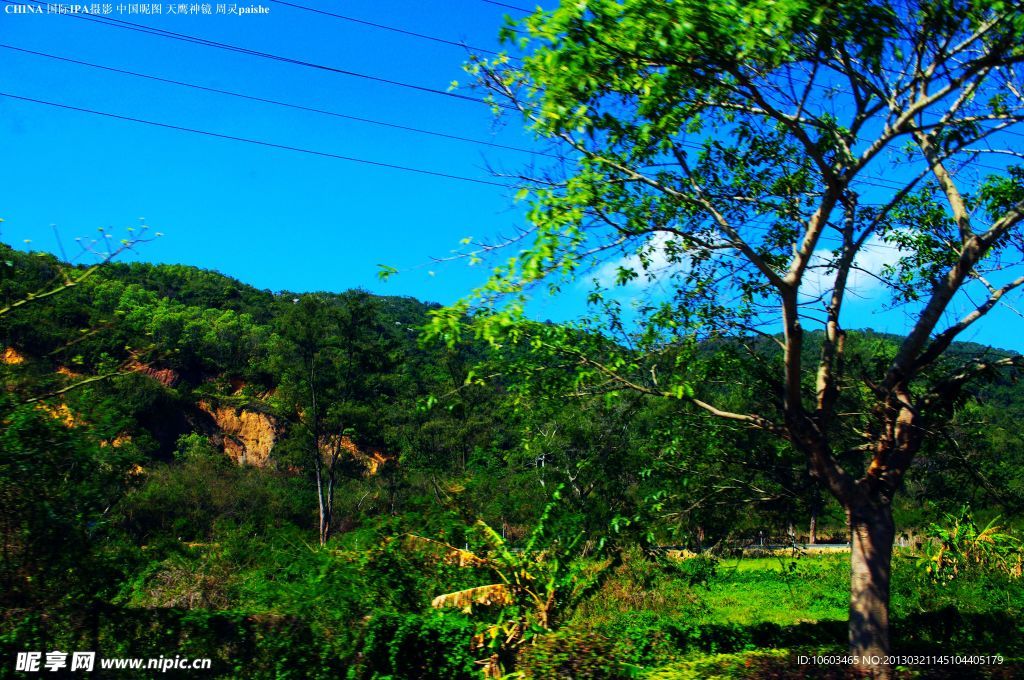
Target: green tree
pixel 333 361
pixel 748 156
pixel 53 277
pixel 58 483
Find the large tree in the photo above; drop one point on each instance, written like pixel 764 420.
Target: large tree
pixel 743 163
pixel 333 358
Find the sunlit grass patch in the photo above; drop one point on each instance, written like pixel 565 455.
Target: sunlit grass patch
pixel 782 590
pixel 754 664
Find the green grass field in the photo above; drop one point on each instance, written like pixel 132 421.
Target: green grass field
pixel 753 617
pixel 649 618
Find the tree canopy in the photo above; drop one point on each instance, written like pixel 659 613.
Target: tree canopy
pixel 748 157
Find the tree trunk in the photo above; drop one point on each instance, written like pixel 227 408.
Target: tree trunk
pixel 872 531
pixel 812 531
pixel 328 520
pixel 322 510
pixel 324 530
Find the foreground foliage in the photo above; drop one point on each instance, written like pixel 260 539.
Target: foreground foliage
pixel 128 529
pixel 727 171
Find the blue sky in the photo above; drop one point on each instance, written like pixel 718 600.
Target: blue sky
pixel 275 218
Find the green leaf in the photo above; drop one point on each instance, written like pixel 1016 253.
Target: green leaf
pixel 386 272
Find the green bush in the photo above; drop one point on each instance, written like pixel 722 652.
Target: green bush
pixel 699 569
pixel 641 582
pixel 415 646
pixel 914 591
pixel 581 655
pixel 960 546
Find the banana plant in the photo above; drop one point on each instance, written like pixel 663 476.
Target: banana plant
pixel 531 587
pixel 960 544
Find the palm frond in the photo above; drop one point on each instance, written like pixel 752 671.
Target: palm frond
pixel 495 594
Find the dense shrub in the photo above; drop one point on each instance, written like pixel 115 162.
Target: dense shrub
pixel 698 569
pixel 415 646
pixel 581 655
pixel 641 582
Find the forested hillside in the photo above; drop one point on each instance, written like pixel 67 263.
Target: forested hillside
pixel 176 444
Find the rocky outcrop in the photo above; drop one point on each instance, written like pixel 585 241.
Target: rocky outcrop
pixel 60 412
pixel 372 461
pixel 165 376
pixel 12 357
pixel 247 437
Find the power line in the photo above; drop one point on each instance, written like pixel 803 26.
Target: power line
pixel 276 102
pixel 258 142
pixel 505 4
pixel 118 23
pixel 286 147
pixel 864 178
pixel 385 27
pixel 889 185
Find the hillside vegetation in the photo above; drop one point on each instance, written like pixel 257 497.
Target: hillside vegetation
pixel 286 483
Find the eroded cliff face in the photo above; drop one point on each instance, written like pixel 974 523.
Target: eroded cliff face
pixel 247 437
pixel 11 357
pixel 370 460
pixel 165 376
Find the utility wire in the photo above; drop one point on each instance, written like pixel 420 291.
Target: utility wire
pixel 118 23
pixel 505 4
pixel 286 147
pixel 258 142
pixel 877 183
pixel 276 102
pixel 694 145
pixel 385 27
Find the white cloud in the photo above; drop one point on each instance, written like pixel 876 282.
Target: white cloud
pixel 658 262
pixel 862 282
pixel 872 258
